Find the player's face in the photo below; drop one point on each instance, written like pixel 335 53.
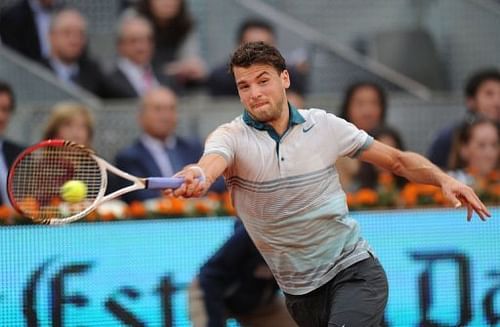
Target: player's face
pixel 262 91
pixel 487 100
pixel 483 149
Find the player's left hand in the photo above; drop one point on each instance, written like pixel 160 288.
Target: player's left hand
pixel 460 194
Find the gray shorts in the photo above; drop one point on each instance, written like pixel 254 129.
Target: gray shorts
pixel 355 297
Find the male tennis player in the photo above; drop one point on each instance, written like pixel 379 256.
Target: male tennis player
pixel 278 162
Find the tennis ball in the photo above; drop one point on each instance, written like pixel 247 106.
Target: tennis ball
pixel 73 191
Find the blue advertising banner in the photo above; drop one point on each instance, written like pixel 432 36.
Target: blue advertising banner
pixel 441 269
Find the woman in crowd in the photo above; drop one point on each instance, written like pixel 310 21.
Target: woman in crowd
pixel 177 50
pixel 72 122
pixel 474 159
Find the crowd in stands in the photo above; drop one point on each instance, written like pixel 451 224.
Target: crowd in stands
pixel 158 59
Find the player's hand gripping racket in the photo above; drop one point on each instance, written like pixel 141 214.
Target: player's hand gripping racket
pixel 38 174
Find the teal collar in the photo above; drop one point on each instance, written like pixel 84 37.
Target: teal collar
pixel 295 119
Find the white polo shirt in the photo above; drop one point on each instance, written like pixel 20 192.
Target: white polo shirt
pixel 287 192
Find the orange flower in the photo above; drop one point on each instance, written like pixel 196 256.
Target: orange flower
pixel 107 216
pixel 351 200
pixel 228 204
pixel 30 205
pixel 385 179
pixel 92 216
pixel 202 207
pixel 5 212
pixel 439 197
pixel 136 209
pixel 410 194
pixel 366 196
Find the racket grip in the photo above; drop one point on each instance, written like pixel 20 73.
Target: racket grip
pixel 164 182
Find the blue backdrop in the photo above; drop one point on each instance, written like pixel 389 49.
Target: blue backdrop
pixel 441 269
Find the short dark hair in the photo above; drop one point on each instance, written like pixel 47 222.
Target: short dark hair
pixel 257 53
pixel 349 94
pixel 475 81
pixel 253 23
pixel 5 88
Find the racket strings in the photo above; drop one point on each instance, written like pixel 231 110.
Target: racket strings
pixel 39 176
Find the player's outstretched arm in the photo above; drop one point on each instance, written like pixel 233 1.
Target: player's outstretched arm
pixel 199 177
pixel 418 169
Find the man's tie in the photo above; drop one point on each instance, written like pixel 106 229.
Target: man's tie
pixel 148 80
pixel 173 158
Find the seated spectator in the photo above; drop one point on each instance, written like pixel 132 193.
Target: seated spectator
pixel 8 149
pixel 221 82
pixel 475 154
pixel 177 49
pixel 482 94
pixel 134 74
pixel 364 105
pixel 158 151
pixel 68 60
pixel 236 283
pixel 24 27
pixel 72 122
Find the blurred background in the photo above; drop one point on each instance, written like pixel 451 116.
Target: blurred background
pixel 428 62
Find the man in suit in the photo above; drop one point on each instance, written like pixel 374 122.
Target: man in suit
pixel 133 75
pixel 8 149
pixel 158 151
pixel 24 27
pixel 68 59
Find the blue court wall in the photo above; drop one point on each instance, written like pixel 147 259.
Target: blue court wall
pixel 441 269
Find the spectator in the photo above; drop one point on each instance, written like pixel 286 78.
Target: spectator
pixel 475 154
pixel 8 149
pixel 134 74
pixel 72 122
pixel 68 60
pixel 364 105
pixel 177 49
pixel 24 27
pixel 221 82
pixel 158 151
pixel 236 283
pixel 482 94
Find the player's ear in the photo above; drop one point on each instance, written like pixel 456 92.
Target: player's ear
pixel 285 79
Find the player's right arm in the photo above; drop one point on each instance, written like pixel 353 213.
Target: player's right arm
pixel 199 177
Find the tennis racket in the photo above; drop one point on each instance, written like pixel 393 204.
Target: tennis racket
pixel 35 179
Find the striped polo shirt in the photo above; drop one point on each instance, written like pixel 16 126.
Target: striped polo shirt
pixel 287 192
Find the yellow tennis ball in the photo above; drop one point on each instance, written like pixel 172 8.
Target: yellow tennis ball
pixel 73 191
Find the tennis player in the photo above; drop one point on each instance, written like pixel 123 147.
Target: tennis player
pixel 278 162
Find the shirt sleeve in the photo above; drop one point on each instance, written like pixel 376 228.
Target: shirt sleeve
pixel 350 140
pixel 222 142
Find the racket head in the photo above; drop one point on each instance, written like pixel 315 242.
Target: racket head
pixel 35 179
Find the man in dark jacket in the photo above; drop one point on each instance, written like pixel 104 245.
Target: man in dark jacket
pixel 8 149
pixel 236 283
pixel 24 27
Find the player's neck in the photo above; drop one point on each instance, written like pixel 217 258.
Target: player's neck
pixel 280 125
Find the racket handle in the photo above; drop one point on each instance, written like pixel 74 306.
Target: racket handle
pixel 164 182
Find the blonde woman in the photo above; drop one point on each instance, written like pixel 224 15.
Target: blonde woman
pixel 70 121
